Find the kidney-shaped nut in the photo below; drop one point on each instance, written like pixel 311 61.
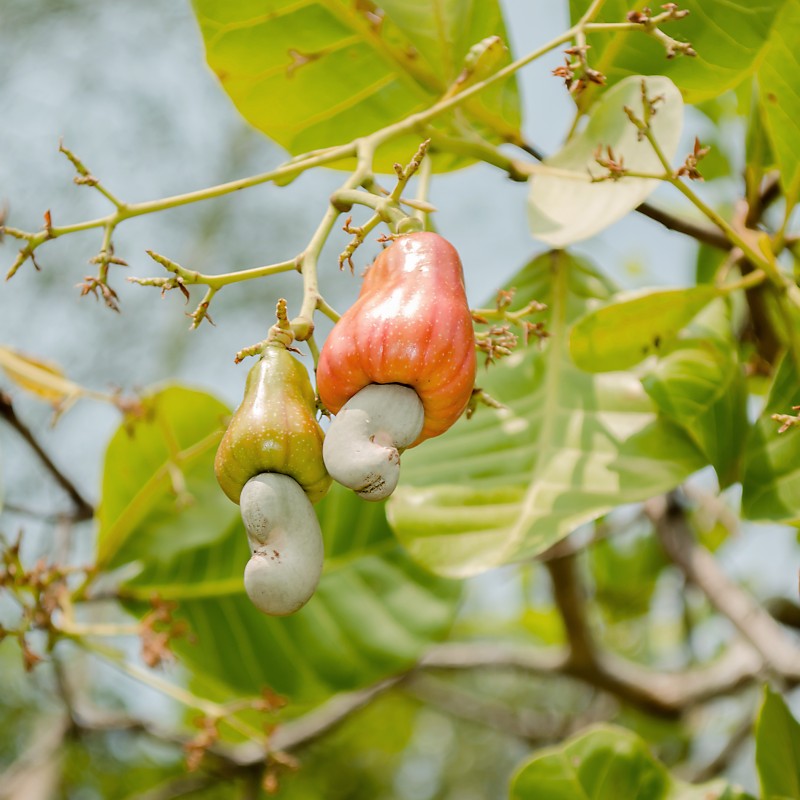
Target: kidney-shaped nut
pixel 364 441
pixel 285 542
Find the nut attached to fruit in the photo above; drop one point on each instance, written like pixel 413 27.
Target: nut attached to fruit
pixel 270 462
pixel 364 442
pixel 411 325
pixel 286 543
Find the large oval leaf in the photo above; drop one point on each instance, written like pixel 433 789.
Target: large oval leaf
pixel 778 78
pixel 778 749
pixel 508 484
pixel 728 38
pixel 608 763
pixel 373 614
pixel 700 385
pixel 160 496
pixel 324 72
pixel 635 325
pixel 565 206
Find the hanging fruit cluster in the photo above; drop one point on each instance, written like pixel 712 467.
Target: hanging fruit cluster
pixel 397 369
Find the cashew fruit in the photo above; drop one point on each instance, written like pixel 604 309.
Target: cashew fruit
pixel 410 325
pixel 274 429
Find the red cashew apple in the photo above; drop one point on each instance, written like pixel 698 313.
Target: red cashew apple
pixel 400 364
pixel 411 325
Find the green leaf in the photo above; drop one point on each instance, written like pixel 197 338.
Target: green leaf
pixel 373 614
pixel 700 385
pixel 709 260
pixel 728 38
pixel 508 484
pixel 160 496
pixel 320 73
pixel 778 79
pixel 759 157
pixel 771 480
pixel 635 325
pixel 777 749
pixel 607 763
pixel 640 561
pixel 565 206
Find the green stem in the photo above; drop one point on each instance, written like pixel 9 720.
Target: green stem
pixel 313 349
pixel 328 311
pixel 177 693
pixel 423 190
pixel 591 13
pixel 755 278
pixel 284 173
pixel 303 323
pixel 216 282
pixel 755 257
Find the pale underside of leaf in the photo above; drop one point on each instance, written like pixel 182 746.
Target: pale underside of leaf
pixel 566 206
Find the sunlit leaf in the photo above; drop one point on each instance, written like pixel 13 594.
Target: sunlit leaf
pixel 699 383
pixel 777 749
pixel 778 79
pixel 42 378
pixel 771 480
pixel 565 206
pixel 160 496
pixel 373 614
pixel 320 73
pixel 759 154
pixel 635 325
pixel 728 39
pixel 571 445
pixel 608 763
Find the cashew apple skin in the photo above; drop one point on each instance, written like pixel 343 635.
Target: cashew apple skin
pixel 274 429
pixel 411 325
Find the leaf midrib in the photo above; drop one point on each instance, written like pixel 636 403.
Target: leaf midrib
pixel 129 517
pixel 550 405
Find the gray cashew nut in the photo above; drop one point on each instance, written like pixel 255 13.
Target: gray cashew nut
pixel 286 543
pixel 363 444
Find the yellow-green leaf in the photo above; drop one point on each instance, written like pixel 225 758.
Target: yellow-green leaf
pixel 324 72
pixel 635 325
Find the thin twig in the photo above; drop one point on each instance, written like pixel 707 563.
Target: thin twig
pixel 701 233
pixel 534 727
pixel 83 508
pixel 318 722
pixel 700 567
pixel 726 756
pixel 665 694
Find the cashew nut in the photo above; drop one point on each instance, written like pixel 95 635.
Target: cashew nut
pixel 363 444
pixel 286 543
